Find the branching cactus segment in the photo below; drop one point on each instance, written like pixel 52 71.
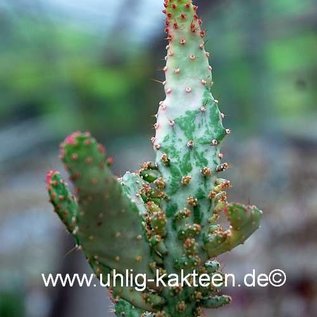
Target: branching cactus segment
pixel 165 217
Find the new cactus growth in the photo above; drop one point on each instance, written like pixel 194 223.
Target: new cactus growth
pixel 165 217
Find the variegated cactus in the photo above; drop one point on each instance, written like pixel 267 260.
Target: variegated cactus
pixel 165 217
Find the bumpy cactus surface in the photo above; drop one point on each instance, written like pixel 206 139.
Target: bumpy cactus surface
pixel 165 217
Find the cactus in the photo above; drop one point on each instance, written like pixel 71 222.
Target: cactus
pixel 165 217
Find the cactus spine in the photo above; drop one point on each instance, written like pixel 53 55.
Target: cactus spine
pixel 164 218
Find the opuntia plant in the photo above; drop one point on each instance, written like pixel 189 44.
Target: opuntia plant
pixel 164 217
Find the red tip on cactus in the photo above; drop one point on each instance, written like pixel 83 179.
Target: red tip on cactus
pixel 71 139
pixel 49 177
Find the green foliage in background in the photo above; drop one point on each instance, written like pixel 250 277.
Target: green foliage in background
pixel 72 76
pixel 11 304
pixel 269 46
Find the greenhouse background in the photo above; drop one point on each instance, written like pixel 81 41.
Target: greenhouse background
pixel 96 66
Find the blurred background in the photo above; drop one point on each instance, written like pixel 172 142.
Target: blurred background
pixel 94 65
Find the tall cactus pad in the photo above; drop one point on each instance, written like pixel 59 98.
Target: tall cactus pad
pixel 165 217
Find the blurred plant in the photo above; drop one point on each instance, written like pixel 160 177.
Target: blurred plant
pixel 11 304
pixel 55 77
pixel 165 217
